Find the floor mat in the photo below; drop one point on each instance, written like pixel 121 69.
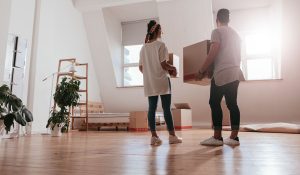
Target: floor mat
pixel 270 127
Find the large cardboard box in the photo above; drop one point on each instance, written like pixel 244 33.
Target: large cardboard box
pixel 182 116
pixel 194 57
pixel 174 60
pixel 138 121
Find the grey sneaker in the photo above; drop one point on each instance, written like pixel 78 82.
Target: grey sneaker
pixel 232 142
pixel 155 141
pixel 212 142
pixel 174 139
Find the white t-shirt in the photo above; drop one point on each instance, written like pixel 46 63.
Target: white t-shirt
pixel 227 63
pixel 156 79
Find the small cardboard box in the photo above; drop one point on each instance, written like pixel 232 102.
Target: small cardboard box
pixel 194 57
pixel 174 61
pixel 138 121
pixel 182 116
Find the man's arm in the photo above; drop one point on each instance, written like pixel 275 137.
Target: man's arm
pixel 213 52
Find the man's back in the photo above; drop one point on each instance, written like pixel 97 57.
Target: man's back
pixel 230 48
pixel 227 62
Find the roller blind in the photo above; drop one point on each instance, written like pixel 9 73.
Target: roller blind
pixel 134 33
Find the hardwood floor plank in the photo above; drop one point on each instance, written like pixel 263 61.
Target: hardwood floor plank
pixel 129 153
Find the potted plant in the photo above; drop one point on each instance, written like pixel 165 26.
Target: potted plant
pixel 66 96
pixel 12 109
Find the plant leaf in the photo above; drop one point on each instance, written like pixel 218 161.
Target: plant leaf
pixel 19 118
pixel 9 121
pixel 27 114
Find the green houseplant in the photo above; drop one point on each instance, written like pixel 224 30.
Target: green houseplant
pixel 66 95
pixel 12 109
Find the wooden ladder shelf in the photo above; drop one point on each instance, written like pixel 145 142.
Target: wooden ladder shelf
pixel 82 103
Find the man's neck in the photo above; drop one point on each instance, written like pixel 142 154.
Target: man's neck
pixel 223 25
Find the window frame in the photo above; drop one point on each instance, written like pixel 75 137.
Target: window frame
pixel 274 58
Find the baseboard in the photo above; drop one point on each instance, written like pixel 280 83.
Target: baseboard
pixel 202 125
pixel 207 125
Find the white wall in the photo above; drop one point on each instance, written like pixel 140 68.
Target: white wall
pixel 274 100
pixel 178 32
pixel 187 22
pixel 115 99
pixel 114 31
pixel 261 20
pixel 21 24
pixel 260 101
pixel 61 35
pixel 5 6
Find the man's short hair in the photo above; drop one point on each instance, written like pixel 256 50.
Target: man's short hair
pixel 223 16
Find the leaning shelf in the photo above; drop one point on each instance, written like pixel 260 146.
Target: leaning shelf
pixel 81 91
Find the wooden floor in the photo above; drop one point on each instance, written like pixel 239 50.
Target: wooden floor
pixel 129 153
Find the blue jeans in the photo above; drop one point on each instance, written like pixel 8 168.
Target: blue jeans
pixel 166 105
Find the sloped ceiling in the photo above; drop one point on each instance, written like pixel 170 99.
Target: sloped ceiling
pixel 136 11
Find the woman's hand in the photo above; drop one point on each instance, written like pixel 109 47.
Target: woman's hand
pixel 173 71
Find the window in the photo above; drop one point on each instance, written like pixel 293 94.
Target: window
pixel 258 61
pixel 131 73
pixel 133 37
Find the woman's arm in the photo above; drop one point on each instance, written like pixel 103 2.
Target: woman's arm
pixel 141 68
pixel 168 67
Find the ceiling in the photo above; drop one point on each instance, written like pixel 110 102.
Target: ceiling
pixel 136 11
pixel 133 10
pixel 240 4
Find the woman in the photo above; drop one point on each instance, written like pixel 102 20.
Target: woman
pixel 153 64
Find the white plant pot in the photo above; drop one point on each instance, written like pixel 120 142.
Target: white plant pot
pixel 2 129
pixel 56 131
pixel 2 126
pixel 28 128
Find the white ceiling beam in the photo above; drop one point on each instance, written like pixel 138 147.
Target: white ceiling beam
pixel 93 5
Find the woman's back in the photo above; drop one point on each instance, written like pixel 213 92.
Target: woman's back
pixel 155 77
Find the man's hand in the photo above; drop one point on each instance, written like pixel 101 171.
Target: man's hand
pixel 200 75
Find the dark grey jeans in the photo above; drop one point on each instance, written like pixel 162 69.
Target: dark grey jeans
pixel 230 92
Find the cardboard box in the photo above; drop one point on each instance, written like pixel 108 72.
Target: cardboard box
pixel 194 57
pixel 138 121
pixel 174 60
pixel 182 116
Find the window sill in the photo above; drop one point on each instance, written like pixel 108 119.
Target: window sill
pixel 246 81
pixel 266 80
pixel 126 87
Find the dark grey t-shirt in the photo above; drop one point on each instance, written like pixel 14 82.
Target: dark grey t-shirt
pixel 227 63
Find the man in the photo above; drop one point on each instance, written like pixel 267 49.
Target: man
pixel 225 57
